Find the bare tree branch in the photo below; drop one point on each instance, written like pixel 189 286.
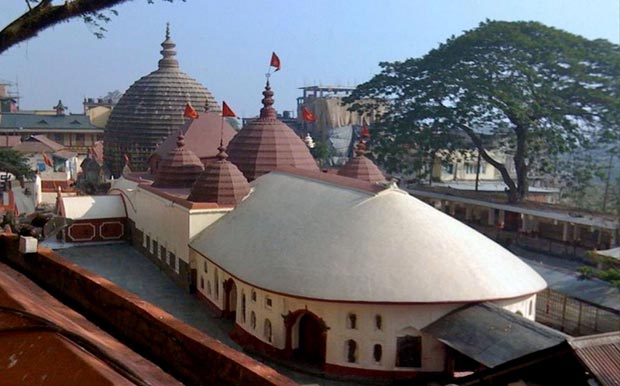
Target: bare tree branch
pixel 45 15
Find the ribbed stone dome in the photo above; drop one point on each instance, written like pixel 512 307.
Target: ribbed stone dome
pixel 362 168
pixel 267 143
pixel 179 168
pixel 221 182
pixel 150 110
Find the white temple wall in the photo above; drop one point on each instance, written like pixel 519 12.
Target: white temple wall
pixel 396 321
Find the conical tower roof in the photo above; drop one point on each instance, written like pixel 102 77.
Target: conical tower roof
pixel 221 182
pixel 267 143
pixel 151 109
pixel 179 168
pixel 202 136
pixel 362 168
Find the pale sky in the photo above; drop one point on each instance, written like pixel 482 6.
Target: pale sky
pixel 226 45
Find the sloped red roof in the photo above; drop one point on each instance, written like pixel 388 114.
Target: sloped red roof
pixel 202 136
pixel 362 168
pixel 179 168
pixel 221 182
pixel 267 143
pixel 43 342
pixel 38 144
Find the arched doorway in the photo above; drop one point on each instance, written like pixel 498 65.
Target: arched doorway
pixel 312 335
pixel 230 299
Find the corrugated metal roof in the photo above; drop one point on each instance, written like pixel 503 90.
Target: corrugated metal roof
pixel 492 335
pixel 600 354
pixel 45 122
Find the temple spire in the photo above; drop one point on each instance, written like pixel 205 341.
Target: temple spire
pixel 268 111
pixel 168 52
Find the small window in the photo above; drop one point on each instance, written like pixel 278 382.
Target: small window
pixel 267 331
pixel 378 322
pixel 351 351
pixel 268 302
pixel 530 308
pixel 409 351
pixel 253 295
pixel 172 261
pixel 205 266
pixel 162 252
pixel 377 352
pixel 209 291
pixel 216 283
pixel 202 282
pixel 148 243
pixel 243 308
pixel 352 321
pixel 253 320
pixel 156 248
pixel 518 312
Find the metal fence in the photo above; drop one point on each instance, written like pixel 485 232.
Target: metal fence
pixel 573 316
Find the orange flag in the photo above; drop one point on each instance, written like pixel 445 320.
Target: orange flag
pixel 227 111
pixel 365 132
pixel 47 160
pixel 275 61
pixel 307 115
pixel 190 112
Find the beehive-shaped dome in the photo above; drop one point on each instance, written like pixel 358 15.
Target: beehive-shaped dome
pixel 361 167
pixel 221 182
pixel 267 143
pixel 151 109
pixel 179 168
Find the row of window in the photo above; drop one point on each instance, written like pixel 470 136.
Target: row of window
pixel 353 325
pixel 470 168
pixel 408 351
pixel 153 247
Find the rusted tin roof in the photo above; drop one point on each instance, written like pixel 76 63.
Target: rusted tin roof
pixel 600 354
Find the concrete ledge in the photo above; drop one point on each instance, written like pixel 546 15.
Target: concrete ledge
pixel 185 352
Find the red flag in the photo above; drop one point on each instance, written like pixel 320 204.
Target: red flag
pixel 307 115
pixel 227 111
pixel 190 112
pixel 47 160
pixel 126 156
pixel 365 132
pixel 275 61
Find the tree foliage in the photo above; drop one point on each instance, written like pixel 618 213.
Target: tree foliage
pixel 15 163
pixel 536 90
pixel 42 14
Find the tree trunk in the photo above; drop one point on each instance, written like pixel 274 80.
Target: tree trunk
pixel 520 164
pixel 512 191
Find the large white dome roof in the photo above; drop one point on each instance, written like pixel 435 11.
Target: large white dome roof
pixel 333 238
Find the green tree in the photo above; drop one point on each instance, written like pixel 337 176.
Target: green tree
pixel 536 90
pixel 13 162
pixel 42 14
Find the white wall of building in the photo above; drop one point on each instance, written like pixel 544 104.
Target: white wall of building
pixel 396 320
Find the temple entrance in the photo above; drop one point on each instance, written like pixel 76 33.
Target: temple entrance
pixel 230 302
pixel 312 339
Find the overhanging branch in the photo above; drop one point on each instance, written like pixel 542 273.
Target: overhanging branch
pixel 45 15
